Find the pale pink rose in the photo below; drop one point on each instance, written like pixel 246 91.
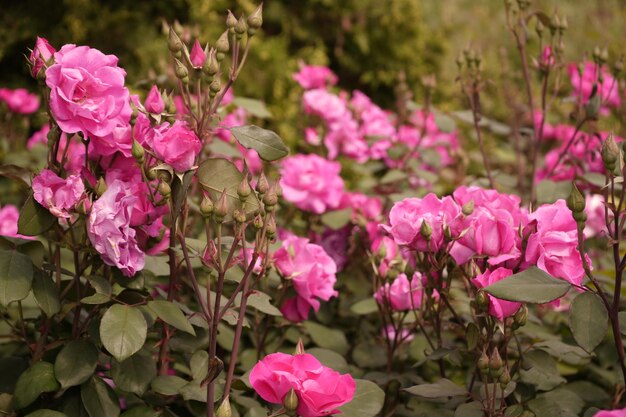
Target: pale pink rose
pixel 109 231
pixel 19 101
pixel 499 309
pixel 197 55
pixel 554 245
pixel 40 55
pixel 311 182
pixel 56 194
pixel 611 413
pixel 312 76
pixel 582 86
pixel 9 215
pixel 177 146
pixel 87 92
pixel 119 140
pixel 402 294
pixel 154 102
pixel 311 270
pixel 406 218
pixel 319 389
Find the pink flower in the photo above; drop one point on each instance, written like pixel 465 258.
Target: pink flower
pixel 40 55
pixel 406 218
pixel 497 308
pixel 594 209
pixel 296 309
pixel 320 390
pixel 197 55
pixel 389 333
pixel 612 413
pixel 57 194
pixel 9 215
pixel 328 106
pixel 119 140
pixel 19 101
pixel 390 250
pixel 311 76
pixel 87 92
pixel 368 207
pixel 311 270
pixel 178 146
pixel 401 295
pixel 554 246
pixel 583 85
pixel 311 182
pixel 154 102
pixel 547 58
pixel 108 228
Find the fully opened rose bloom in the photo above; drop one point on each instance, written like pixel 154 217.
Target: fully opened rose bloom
pixel 313 76
pixel 177 146
pixel 320 390
pixel 40 55
pixel 57 194
pixel 497 308
pixel 311 182
pixel 402 294
pixel 19 101
pixel 109 231
pixel 311 270
pixel 406 218
pixel 87 92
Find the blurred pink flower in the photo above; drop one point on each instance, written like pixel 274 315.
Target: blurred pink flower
pixel 311 76
pixel 19 101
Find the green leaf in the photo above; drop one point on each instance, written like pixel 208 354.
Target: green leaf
pixel 261 302
pixel 34 218
pixel 217 174
pixel 199 364
pixel 16 173
pixel 515 410
pixel 16 276
pixel 99 400
pixel 46 413
pixel 268 144
pixel 167 384
pixel 337 219
pixel 172 315
pixel 123 331
pixel 330 359
pixel 367 306
pixel 473 409
pixel 392 176
pixel 539 369
pixel 442 388
pixel 530 286
pixel 45 293
pixel 327 338
pixel 135 373
pixel 76 363
pixel 37 379
pixel 141 411
pixel 255 107
pixel 588 320
pixel 368 400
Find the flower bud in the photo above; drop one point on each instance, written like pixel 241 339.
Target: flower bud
pixel 241 26
pixel 258 222
pixel 539 28
pixel 100 187
pixel 180 69
pixel 564 23
pixel 231 20
pixel 164 189
pixel 495 362
pixel 211 67
pixel 54 134
pixel 520 318
pixel 138 152
pixel 426 230
pixel 262 185
pixel 270 199
pixel 468 208
pixel 239 216
pixel 271 227
pixel 224 409
pixel 83 206
pixel 290 402
pixel 197 56
pixel 244 190
pixel 505 378
pixel 173 41
pixel 483 362
pixel 152 174
pixel 576 201
pixel 618 67
pixel 482 301
pixel 592 108
pixel 221 208
pixel 255 20
pixel 299 347
pixel 206 206
pixel 215 86
pixel 222 46
pixel 610 153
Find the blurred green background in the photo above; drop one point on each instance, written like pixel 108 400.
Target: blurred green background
pixel 366 42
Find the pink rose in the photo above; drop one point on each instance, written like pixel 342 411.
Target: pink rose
pixel 154 102
pixel 368 207
pixel 390 250
pixel 583 85
pixel 497 308
pixel 401 295
pixel 108 228
pixel 177 146
pixel 389 333
pixel 612 413
pixel 40 55
pixel 328 106
pixel 311 182
pixel 311 76
pixel 197 55
pixel 310 269
pixel 87 92
pixel 406 218
pixel 19 101
pixel 57 194
pixel 320 390
pixel 9 215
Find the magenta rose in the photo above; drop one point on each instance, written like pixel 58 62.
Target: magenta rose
pixel 9 215
pixel 57 194
pixel 154 102
pixel 197 55
pixel 611 413
pixel 177 146
pixel 109 231
pixel 499 309
pixel 311 183
pixel 320 390
pixel 402 294
pixel 19 101
pixel 312 76
pixel 87 92
pixel 40 55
